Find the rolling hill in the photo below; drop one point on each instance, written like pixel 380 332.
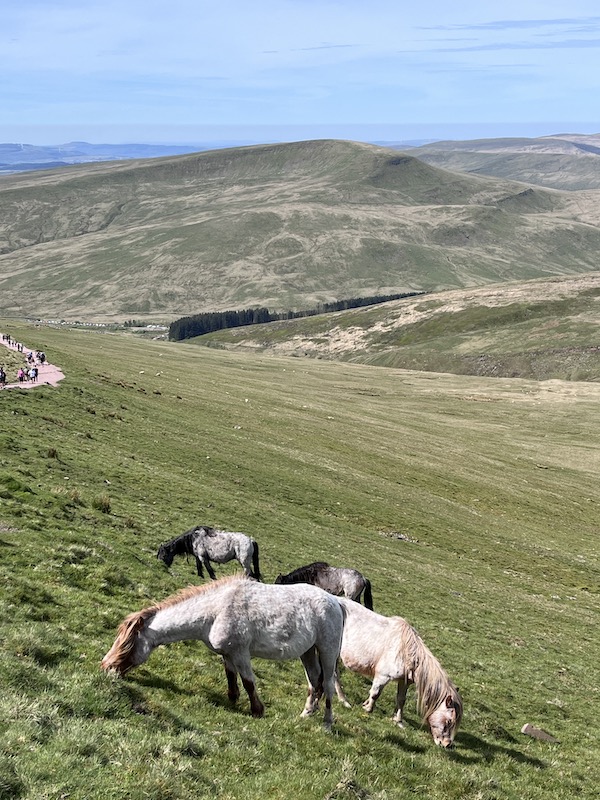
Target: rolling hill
pixel 546 329
pixel 567 161
pixel 285 226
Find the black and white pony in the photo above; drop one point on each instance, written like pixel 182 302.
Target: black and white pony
pixel 210 544
pixel 335 580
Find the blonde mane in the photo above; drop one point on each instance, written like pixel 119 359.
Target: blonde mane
pixel 119 656
pixel 193 591
pixel 431 681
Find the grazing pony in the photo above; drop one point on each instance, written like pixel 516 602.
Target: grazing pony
pixel 240 618
pixel 335 580
pixel 209 544
pixel 389 649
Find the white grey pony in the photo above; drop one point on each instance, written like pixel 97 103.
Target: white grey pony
pixel 208 544
pixel 240 618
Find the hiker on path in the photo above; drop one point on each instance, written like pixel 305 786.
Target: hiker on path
pixel 26 375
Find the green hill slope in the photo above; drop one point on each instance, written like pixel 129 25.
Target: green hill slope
pixel 569 162
pixel 281 225
pixel 538 329
pixel 492 484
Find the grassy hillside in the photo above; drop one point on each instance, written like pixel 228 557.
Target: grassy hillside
pixel 537 329
pixel 494 482
pixel 285 226
pixel 568 162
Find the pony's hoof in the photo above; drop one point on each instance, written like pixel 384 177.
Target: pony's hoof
pixel 346 704
pixel 398 722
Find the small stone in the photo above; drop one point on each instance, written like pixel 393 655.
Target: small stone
pixel 537 733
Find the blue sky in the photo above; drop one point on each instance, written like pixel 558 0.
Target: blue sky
pixel 191 71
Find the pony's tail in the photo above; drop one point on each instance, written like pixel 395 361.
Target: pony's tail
pixel 368 597
pixel 256 574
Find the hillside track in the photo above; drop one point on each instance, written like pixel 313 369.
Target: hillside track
pixel 48 375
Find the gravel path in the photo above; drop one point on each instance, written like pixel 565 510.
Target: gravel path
pixel 48 374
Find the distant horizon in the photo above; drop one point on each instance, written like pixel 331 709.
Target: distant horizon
pixel 244 135
pixel 291 70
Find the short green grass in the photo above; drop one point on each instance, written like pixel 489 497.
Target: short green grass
pixel 495 481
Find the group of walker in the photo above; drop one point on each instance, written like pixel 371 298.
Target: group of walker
pixel 29 371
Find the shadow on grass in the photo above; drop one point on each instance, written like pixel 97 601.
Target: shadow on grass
pixel 398 740
pixel 484 751
pixel 156 682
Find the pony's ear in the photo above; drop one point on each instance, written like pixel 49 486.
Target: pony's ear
pixel 140 623
pixel 449 701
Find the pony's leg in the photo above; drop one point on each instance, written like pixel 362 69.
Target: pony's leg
pixel 320 672
pixel 312 669
pixel 379 682
pixel 209 569
pixel 243 666
pixel 245 563
pixel 340 692
pixel 328 662
pixel 233 690
pixel 199 569
pixel 400 700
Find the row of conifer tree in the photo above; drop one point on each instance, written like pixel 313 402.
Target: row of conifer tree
pixel 199 324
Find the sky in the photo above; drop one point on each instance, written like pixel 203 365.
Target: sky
pixel 191 71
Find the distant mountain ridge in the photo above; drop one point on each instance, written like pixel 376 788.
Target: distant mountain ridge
pixel 284 226
pixel 16 157
pixel 19 157
pixel 569 161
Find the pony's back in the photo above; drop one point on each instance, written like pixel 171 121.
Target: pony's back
pixel 307 574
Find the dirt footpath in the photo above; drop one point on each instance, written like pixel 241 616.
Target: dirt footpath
pixel 48 374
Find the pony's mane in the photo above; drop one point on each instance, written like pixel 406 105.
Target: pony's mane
pixel 184 543
pixel 308 571
pixel 431 681
pixel 192 591
pixel 180 544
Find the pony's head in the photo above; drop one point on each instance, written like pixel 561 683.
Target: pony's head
pixel 166 554
pixel 130 648
pixel 444 721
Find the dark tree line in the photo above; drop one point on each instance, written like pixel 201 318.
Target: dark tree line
pixel 199 324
